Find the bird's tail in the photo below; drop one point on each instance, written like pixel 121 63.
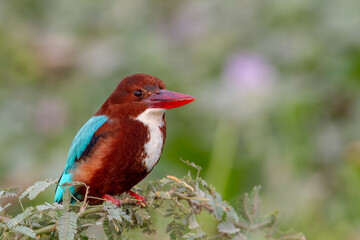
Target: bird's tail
pixel 59 192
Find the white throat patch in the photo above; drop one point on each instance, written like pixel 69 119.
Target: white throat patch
pixel 153 119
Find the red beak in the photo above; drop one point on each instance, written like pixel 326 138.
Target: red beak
pixel 167 99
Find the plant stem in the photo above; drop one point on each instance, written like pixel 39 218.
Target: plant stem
pixel 260 225
pixel 50 228
pixel 98 209
pixel 90 211
pixel 256 226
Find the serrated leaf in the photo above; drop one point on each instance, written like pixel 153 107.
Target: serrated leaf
pixel 13 222
pixel 8 192
pixel 193 224
pixel 126 217
pixel 204 183
pixel 175 230
pixel 232 214
pixel 164 181
pixel 116 213
pixel 218 204
pixel 110 230
pixel 32 191
pixel 162 194
pixel 2 208
pixel 291 235
pixel 141 216
pixel 48 206
pixel 66 198
pixel 252 204
pixel 67 226
pixel 227 227
pixel 190 236
pixel 25 230
pixel 198 191
pixel 198 234
pixel 85 223
pixel 256 201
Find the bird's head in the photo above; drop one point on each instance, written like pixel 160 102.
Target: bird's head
pixel 139 92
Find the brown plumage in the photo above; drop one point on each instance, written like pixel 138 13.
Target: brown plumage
pixel 125 148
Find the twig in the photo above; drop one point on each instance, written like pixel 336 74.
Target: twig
pixel 179 195
pixel 92 210
pixel 50 228
pixel 191 164
pixel 182 182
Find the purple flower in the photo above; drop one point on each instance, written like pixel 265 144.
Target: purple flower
pixel 249 72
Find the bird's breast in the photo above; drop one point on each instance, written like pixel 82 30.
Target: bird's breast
pixel 154 121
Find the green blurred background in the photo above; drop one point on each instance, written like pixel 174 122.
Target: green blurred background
pixel 277 83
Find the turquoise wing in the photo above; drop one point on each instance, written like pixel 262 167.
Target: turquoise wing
pixel 78 146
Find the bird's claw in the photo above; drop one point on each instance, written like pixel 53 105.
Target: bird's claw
pixel 141 199
pixel 112 199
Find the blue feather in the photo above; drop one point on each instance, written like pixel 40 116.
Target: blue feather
pixel 65 177
pixel 78 146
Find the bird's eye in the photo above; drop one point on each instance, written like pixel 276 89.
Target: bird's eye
pixel 138 93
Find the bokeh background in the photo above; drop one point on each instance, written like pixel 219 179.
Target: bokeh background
pixel 277 83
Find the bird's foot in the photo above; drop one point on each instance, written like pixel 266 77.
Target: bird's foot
pixel 141 199
pixel 112 199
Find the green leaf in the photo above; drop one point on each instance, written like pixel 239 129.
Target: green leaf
pixel 164 181
pixel 48 206
pixel 2 208
pixel 13 222
pixel 232 214
pixel 116 213
pixel 25 230
pixel 182 207
pixel 141 216
pixel 110 230
pixel 66 198
pixel 67 226
pixel 163 194
pixel 175 230
pixel 227 227
pixel 252 204
pixel 291 235
pixel 193 224
pixel 218 204
pixel 32 191
pixel 8 192
pixel 195 235
pixel 198 191
pixel 90 221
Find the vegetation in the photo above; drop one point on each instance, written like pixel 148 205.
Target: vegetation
pixel 180 201
pixel 278 105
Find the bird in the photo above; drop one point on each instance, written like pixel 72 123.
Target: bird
pixel 120 145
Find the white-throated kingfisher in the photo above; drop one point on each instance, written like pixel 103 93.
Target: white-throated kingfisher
pixel 122 142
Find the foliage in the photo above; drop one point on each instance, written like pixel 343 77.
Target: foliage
pixel 277 82
pixel 180 200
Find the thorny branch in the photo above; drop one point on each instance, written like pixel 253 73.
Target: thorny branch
pixel 199 196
